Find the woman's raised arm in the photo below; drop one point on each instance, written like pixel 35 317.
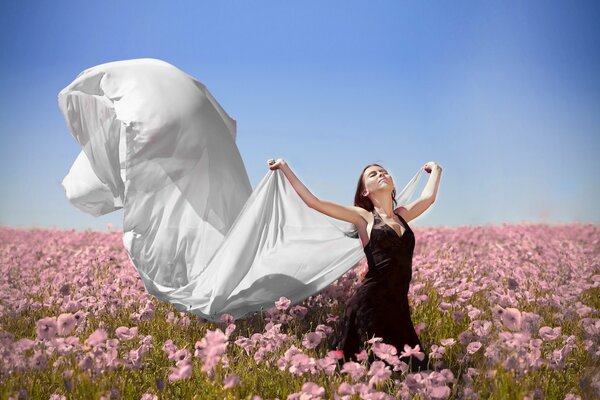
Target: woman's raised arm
pixel 355 215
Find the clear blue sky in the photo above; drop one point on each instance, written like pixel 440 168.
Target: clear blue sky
pixel 505 95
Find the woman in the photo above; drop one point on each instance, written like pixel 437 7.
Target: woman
pixel 379 307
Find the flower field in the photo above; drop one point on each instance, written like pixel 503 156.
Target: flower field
pixel 504 312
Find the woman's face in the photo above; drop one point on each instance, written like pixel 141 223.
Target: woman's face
pixel 376 178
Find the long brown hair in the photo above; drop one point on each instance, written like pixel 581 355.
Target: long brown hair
pixel 364 201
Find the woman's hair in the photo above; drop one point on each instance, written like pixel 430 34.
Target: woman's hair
pixel 364 201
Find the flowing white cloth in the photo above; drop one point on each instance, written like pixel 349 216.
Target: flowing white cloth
pixel 156 143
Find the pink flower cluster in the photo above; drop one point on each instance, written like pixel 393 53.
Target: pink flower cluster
pixel 520 293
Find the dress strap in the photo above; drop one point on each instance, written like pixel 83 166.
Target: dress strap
pixel 402 219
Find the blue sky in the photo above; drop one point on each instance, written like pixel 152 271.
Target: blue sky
pixel 503 95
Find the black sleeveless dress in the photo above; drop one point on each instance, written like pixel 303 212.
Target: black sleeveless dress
pixel 379 305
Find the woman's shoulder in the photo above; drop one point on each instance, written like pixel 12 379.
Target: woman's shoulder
pixel 366 215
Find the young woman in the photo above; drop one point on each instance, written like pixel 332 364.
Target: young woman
pixel 379 306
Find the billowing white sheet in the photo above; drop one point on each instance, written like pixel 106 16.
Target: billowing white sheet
pixel 156 143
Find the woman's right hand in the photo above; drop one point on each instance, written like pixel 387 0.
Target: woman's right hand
pixel 275 164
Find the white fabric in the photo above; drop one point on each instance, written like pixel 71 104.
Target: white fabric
pixel 156 143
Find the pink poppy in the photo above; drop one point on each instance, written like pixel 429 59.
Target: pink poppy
pixel 283 303
pixel 548 333
pixel 511 318
pixel 312 389
pixel 230 381
pixel 336 354
pixel 183 372
pixel 125 333
pixel 362 355
pixel 46 328
pixel 327 365
pixel 473 347
pixel 412 351
pixel 65 324
pixel 378 372
pixel 87 362
pixel 354 369
pixel 437 351
pixel 420 327
pixel 481 327
pixel 311 340
pixel 38 361
pixel 97 337
pixel 439 393
pixel 24 344
pixel 227 319
pixel 331 318
pixel 301 364
pixel 375 339
pixel 324 330
pixel 345 389
pixel 298 311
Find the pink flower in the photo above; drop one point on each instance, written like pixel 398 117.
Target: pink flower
pixel 181 356
pixel 410 351
pixel 227 319
pixel 327 365
pixel 301 364
pixel 436 351
pixel 231 381
pixel 481 327
pixel 439 393
pixel 87 362
pixel 210 349
pixel 283 303
pixel 46 328
pixel 125 333
pixel 97 337
pixel 386 352
pixel 548 333
pixel 24 344
pixel 511 318
pixel 336 354
pixel 362 355
pixel 39 361
pixel 354 369
pixel 311 340
pixel 331 318
pixel 65 324
pixel 346 389
pixel 374 340
pixel 447 342
pixel 298 311
pixel 229 330
pixel 420 327
pixel 378 372
pixel 245 344
pixel 183 372
pixel 323 330
pixel 473 347
pixel 313 390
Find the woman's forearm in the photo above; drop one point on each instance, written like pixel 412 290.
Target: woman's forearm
pixel 431 188
pixel 298 186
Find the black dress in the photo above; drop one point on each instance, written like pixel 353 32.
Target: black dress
pixel 379 305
